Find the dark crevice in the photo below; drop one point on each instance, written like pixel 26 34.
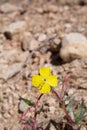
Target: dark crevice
pixel 82 3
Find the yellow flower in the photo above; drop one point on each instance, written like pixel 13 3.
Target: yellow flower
pixel 44 81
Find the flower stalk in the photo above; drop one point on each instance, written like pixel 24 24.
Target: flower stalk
pixel 35 112
pixel 64 108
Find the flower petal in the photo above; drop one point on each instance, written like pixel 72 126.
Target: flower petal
pixel 52 81
pixel 45 88
pixel 45 72
pixel 37 80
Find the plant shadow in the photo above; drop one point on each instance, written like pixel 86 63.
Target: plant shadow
pixel 53 125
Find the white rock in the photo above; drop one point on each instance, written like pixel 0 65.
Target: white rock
pixel 5 107
pixel 52 109
pixel 52 127
pixel 8 72
pixel 26 38
pixel 6 115
pixel 74 46
pixel 34 44
pixel 15 27
pixel 50 8
pixel 42 37
pixel 7 8
pixel 21 57
pixel 23 106
pixel 28 42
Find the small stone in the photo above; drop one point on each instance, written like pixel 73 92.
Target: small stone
pixel 52 127
pixel 11 112
pixel 52 16
pixel 42 37
pixel 39 10
pixel 10 99
pixel 5 107
pixel 15 27
pixel 50 30
pixel 23 106
pixel 22 57
pixel 52 109
pixel 26 38
pixel 2 39
pixel 6 115
pixel 29 85
pixel 1 50
pixel 83 127
pixel 50 8
pixel 55 45
pixel 28 42
pixel 15 127
pixel 67 25
pixel 10 71
pixel 8 8
pixel 34 44
pixel 74 46
pixel 26 74
pixel 1 126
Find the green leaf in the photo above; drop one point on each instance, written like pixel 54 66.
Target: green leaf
pixel 28 102
pixel 81 113
pixel 70 109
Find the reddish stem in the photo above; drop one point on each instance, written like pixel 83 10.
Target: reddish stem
pixel 35 113
pixel 64 87
pixel 24 115
pixel 64 108
pixel 25 127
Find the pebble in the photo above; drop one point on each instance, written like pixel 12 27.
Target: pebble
pixel 52 127
pixel 1 127
pixel 28 42
pixel 6 115
pixel 11 112
pixel 10 99
pixel 34 44
pixel 8 8
pixel 83 127
pixel 23 106
pixel 52 109
pixel 55 45
pixel 74 46
pixel 5 107
pixel 50 8
pixel 21 57
pixel 29 85
pixel 10 71
pixel 25 39
pixel 15 27
pixel 42 37
pixel 2 39
pixel 26 74
pixel 39 10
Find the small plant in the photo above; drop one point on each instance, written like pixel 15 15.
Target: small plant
pixel 45 82
pixel 5 0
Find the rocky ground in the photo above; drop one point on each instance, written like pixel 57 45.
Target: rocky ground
pixel 35 34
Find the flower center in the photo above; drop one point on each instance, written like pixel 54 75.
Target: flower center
pixel 45 80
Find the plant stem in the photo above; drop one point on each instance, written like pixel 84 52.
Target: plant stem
pixel 25 127
pixel 64 86
pixel 64 108
pixel 35 113
pixel 24 115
